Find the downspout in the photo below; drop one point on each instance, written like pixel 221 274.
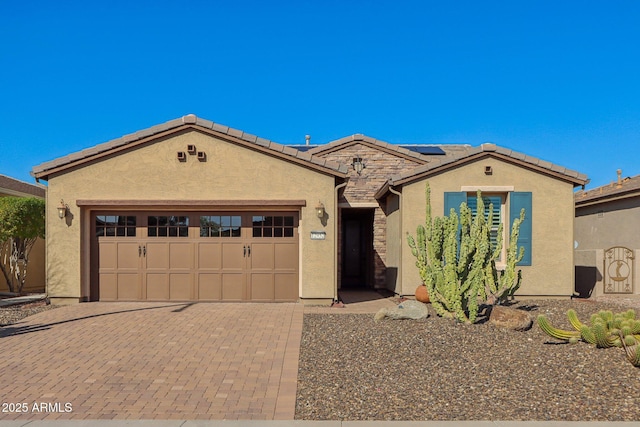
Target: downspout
pixel 399 194
pixel 335 241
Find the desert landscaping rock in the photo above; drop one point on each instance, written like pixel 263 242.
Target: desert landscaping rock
pixel 409 309
pixel 510 318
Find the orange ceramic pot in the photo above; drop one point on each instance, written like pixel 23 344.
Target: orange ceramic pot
pixel 422 294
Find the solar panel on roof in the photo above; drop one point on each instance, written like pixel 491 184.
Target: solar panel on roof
pixel 425 149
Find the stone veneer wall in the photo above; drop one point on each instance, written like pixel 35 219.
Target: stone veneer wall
pixel 380 165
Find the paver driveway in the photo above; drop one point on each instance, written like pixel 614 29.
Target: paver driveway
pixel 152 360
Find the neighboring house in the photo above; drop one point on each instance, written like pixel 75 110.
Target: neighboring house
pixel 193 210
pixel 36 269
pixel 608 238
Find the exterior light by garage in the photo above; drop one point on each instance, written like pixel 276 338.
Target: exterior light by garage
pixel 62 210
pixel 358 165
pixel 320 210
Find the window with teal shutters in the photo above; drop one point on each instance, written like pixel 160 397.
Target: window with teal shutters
pixel 517 201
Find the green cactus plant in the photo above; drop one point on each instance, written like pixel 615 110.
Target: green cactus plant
pixel 456 262
pixel 605 329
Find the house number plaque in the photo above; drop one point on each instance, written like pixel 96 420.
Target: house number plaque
pixel 318 235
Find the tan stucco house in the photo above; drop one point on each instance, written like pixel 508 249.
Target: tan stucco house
pixel 607 238
pixel 193 210
pixel 35 281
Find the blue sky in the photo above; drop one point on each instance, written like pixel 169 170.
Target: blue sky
pixel 559 80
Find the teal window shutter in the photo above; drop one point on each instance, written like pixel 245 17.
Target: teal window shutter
pixel 518 201
pixel 453 200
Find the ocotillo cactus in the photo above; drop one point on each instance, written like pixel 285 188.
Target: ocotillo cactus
pixel 457 263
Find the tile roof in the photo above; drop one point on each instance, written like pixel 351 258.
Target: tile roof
pixel 360 138
pixel 462 154
pixel 44 169
pixel 13 186
pixel 621 188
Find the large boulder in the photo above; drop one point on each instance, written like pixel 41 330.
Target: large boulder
pixel 409 309
pixel 510 318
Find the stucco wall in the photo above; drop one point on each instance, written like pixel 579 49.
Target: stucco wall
pixel 551 272
pixel 598 228
pixel 609 224
pixel 152 172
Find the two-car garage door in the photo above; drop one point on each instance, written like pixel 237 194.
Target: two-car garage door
pixel 195 256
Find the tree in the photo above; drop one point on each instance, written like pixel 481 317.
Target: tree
pixel 21 223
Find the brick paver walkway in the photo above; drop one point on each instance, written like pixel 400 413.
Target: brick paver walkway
pixel 152 361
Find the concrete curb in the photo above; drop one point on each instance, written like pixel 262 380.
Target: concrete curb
pixel 298 423
pixel 6 302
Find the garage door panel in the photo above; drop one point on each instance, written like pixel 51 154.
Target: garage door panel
pixel 128 288
pixel 261 287
pixel 181 256
pixel 157 256
pixel 261 256
pixel 157 286
pixel 286 257
pixel 128 257
pixel 285 286
pixel 119 269
pixel 233 286
pixel 209 286
pixel 180 286
pixel 209 256
pixel 108 286
pixel 108 256
pixel 233 256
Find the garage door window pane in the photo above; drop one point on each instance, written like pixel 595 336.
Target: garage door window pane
pixel 273 226
pixel 167 226
pixel 116 225
pixel 220 225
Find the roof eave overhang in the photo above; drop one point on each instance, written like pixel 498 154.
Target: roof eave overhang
pixel 576 181
pixel 191 204
pixel 607 198
pixel 382 191
pixel 308 162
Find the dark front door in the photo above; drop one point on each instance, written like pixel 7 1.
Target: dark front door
pixel 357 248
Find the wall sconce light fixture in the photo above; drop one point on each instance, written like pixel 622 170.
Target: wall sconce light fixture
pixel 320 210
pixel 62 209
pixel 358 165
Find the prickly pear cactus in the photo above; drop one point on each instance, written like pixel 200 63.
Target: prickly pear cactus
pixel 605 329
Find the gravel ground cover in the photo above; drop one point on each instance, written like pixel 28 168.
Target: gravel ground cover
pixel 352 368
pixel 14 313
